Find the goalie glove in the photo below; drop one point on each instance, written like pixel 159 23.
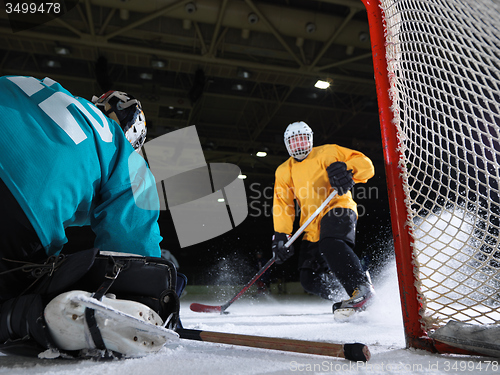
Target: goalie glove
pixel 280 252
pixel 340 178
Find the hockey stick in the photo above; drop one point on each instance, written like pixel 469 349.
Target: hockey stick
pixel 199 307
pixel 353 352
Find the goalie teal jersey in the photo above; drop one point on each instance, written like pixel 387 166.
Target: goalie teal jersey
pixel 67 164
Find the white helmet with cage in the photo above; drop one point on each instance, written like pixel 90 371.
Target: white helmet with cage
pixel 127 112
pixel 299 140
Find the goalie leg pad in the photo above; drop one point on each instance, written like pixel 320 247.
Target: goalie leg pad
pixel 149 281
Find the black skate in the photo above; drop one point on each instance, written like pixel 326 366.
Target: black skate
pixel 361 298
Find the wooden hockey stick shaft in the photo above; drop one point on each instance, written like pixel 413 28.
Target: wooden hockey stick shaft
pixel 353 352
pixel 198 307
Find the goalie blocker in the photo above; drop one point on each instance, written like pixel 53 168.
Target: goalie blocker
pixel 151 284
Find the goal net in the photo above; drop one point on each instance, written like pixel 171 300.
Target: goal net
pixel 439 102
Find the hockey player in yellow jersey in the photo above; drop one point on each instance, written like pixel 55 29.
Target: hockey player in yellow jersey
pixel 308 177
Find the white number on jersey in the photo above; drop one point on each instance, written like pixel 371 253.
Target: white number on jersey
pixel 56 107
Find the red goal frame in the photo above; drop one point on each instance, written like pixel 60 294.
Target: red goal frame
pixel 415 335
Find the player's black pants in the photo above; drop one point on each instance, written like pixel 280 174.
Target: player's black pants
pixel 333 252
pixel 19 244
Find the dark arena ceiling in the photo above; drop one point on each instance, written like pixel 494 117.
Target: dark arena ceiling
pixel 240 70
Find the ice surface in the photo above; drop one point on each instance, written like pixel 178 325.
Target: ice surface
pixel 303 317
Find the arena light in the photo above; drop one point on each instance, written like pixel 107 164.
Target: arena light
pixel 261 154
pixel 323 85
pixel 243 73
pixel 146 76
pixel 242 176
pixel 238 87
pixel 60 50
pixel 51 64
pixel 158 64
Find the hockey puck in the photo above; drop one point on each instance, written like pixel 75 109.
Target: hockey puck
pixel 357 352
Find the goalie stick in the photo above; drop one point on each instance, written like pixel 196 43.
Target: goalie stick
pixel 199 307
pixel 353 352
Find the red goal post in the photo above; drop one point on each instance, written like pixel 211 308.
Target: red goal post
pixel 437 76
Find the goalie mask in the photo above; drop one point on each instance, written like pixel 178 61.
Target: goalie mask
pixel 299 140
pixel 127 112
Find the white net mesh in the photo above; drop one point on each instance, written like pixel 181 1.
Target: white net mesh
pixel 444 70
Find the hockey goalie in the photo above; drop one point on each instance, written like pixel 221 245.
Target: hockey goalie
pixel 71 162
pixel 119 306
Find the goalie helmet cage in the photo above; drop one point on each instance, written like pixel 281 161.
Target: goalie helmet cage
pixel 437 72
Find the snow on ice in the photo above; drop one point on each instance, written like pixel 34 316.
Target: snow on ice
pixel 303 317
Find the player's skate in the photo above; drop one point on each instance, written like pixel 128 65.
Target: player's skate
pixel 128 328
pixel 360 299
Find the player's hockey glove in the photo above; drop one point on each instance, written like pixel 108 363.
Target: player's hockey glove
pixel 340 177
pixel 280 252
